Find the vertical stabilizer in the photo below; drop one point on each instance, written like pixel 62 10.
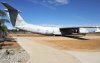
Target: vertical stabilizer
pixel 15 18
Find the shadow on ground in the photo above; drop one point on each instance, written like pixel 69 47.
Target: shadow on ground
pixel 76 37
pixel 6 42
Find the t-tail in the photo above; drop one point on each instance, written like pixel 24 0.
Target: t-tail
pixel 15 18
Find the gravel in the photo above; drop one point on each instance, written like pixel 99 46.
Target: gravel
pixel 13 56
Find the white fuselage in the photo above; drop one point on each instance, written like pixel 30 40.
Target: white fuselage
pixel 40 29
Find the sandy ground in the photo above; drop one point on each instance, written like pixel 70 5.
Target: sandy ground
pixel 65 43
pixel 79 45
pixel 41 51
pixel 86 57
pixel 9 44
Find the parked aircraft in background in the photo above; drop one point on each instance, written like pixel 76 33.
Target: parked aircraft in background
pixel 18 22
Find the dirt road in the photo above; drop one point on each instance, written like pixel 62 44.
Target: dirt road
pixel 40 53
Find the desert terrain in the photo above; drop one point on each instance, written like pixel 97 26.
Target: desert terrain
pixel 36 48
pixel 58 49
pixel 90 42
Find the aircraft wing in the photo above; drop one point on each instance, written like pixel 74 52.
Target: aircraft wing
pixel 83 27
pixel 75 30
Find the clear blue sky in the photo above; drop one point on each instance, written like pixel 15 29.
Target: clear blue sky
pixel 58 12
